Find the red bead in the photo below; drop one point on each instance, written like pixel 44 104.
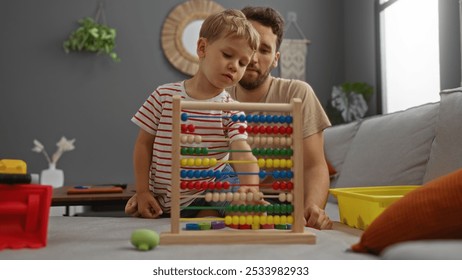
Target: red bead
pixel 183 185
pixel 262 129
pixel 241 129
pixel 211 185
pixel 245 226
pixel 275 129
pixel 184 128
pixel 226 185
pixel 282 130
pixel 289 130
pixel 197 185
pixel 255 129
pixel 276 185
pixel 204 185
pixel 290 185
pixel 283 185
pixel 218 185
pixel 190 185
pixel 269 129
pixel 191 128
pixel 248 129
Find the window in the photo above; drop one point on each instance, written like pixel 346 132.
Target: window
pixel 409 56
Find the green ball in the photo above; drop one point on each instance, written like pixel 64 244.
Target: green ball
pixel 144 239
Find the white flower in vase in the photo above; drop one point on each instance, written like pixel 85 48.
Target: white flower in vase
pixel 53 176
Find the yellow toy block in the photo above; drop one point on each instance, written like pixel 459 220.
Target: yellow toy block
pixel 13 166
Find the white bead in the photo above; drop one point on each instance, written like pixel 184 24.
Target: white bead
pixel 208 196
pixel 222 196
pixel 236 196
pixel 184 139
pixel 290 197
pixel 282 197
pixel 263 140
pixel 229 196
pixel 190 139
pixel 216 197
pixel 249 197
pixel 289 141
pixel 277 141
pixel 197 139
pixel 243 196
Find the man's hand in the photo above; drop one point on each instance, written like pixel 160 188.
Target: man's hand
pixel 143 205
pixel 317 218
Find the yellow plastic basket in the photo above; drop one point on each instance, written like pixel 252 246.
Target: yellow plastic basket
pixel 359 206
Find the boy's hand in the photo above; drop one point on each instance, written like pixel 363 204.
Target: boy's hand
pixel 143 205
pixel 317 218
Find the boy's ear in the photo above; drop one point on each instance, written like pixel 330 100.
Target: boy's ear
pixel 201 46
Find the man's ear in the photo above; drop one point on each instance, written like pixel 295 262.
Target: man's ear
pixel 201 47
pixel 276 59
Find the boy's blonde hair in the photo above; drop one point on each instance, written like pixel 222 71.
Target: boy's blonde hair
pixel 229 22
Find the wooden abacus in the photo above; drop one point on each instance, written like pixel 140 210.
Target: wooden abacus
pixel 296 235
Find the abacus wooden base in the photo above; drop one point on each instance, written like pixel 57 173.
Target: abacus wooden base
pixel 237 237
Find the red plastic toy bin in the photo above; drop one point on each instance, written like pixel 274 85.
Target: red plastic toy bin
pixel 24 212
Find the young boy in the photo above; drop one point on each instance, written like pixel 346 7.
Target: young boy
pixel 226 44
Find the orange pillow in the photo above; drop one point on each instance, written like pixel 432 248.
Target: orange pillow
pixel 331 168
pixel 433 211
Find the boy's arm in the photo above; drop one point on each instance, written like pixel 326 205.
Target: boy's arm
pixel 245 167
pixel 148 207
pixel 316 181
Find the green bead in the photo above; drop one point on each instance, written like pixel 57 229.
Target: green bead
pixel 290 208
pixel 269 151
pixel 276 152
pixel 229 208
pixel 249 208
pixel 277 208
pixel 197 151
pixel 235 208
pixel 284 209
pixel 242 208
pixel 270 209
pixel 204 151
pixel 256 151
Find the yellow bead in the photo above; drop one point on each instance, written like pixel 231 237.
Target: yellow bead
pixel 270 220
pixel 242 220
pixel 184 162
pixel 256 219
pixel 228 220
pixel 290 219
pixel 213 162
pixel 283 163
pixel 276 163
pixel 283 219
pixel 249 220
pixel 235 220
pixel 263 220
pixel 269 163
pixel 198 162
pixel 190 162
pixel 289 163
pixel 277 220
pixel 261 162
pixel 255 226
pixel 205 162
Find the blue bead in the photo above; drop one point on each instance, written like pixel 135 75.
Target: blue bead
pixel 289 119
pixel 255 118
pixel 203 173
pixel 261 118
pixel 197 174
pixel 290 174
pixel 275 174
pixel 209 173
pixel 192 226
pixel 190 173
pixel 262 174
pixel 217 174
pixel 281 119
pixel 184 117
pixel 248 118
pixel 234 118
pixel 283 174
pixel 269 118
pixel 242 118
pixel 183 174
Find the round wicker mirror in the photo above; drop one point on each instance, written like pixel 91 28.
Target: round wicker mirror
pixel 181 31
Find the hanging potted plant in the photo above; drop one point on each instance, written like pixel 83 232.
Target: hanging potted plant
pixel 93 36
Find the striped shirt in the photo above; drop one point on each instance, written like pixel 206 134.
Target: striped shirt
pixel 155 117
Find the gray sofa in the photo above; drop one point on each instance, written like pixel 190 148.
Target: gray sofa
pixel 403 148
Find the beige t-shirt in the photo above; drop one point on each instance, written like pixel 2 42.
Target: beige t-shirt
pixel 284 90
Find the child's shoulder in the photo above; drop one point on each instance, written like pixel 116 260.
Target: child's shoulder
pixel 174 87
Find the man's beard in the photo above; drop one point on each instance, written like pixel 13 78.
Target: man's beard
pixel 249 84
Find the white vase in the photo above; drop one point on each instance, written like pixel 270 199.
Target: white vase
pixel 52 176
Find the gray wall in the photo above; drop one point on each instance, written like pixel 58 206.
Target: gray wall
pixel 45 93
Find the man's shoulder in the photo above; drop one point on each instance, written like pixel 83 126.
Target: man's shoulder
pixel 290 83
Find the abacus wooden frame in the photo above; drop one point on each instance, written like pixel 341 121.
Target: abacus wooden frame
pixel 297 235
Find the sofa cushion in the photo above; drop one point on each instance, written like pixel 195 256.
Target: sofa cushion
pixel 391 149
pixel 446 152
pixel 337 141
pixel 430 212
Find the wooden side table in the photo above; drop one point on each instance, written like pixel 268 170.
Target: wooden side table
pixel 62 198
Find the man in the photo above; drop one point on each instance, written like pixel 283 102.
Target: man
pixel 257 85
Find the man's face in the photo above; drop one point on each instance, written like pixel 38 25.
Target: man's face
pixel 263 61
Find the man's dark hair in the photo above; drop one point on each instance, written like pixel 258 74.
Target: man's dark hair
pixel 268 17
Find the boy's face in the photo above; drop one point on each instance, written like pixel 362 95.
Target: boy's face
pixel 224 60
pixel 265 59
